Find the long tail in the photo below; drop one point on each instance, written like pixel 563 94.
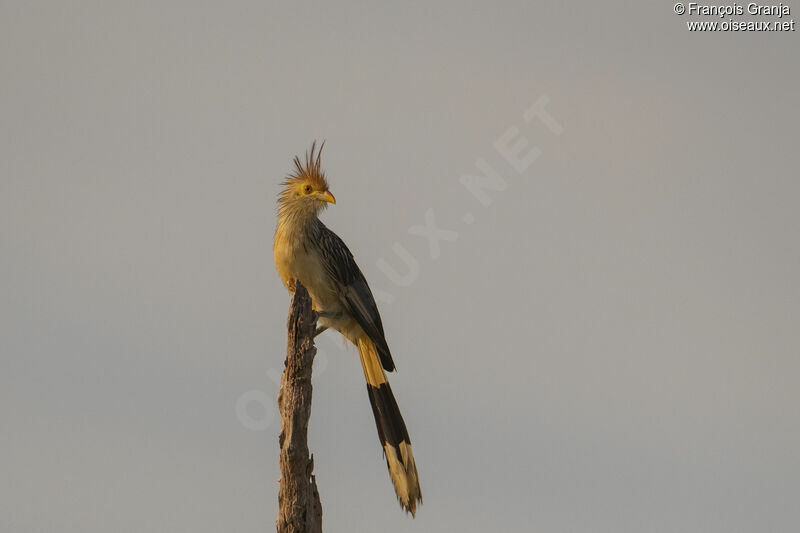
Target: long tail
pixel 391 429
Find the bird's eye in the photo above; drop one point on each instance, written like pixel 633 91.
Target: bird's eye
pixel 307 189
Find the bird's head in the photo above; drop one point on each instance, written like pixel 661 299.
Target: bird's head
pixel 305 191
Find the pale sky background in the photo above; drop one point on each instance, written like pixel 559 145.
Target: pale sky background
pixel 612 345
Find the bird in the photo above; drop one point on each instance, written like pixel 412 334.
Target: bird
pixel 306 251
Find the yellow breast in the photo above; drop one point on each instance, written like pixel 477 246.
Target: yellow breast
pixel 297 262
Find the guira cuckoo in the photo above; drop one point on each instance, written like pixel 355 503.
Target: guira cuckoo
pixel 306 250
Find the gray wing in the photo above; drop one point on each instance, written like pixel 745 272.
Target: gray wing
pixel 354 293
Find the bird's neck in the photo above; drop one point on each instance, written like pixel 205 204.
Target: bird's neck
pixel 294 222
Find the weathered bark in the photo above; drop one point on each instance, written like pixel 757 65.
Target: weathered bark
pixel 299 508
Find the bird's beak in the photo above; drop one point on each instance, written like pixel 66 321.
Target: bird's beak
pixel 328 197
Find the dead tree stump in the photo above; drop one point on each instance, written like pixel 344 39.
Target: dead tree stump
pixel 299 507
